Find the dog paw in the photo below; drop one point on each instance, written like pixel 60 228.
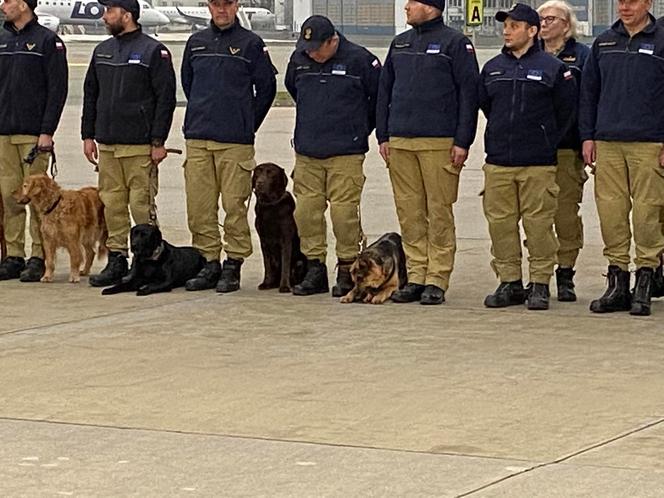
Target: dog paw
pixel 74 279
pixel 285 289
pixel 47 279
pixel 377 300
pixel 143 291
pixel 346 299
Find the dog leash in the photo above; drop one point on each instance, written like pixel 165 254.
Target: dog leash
pixel 36 150
pixel 153 185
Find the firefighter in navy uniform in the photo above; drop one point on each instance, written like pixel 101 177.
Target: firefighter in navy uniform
pixel 128 105
pixel 334 83
pixel 557 32
pixel 33 90
pixel 529 99
pixel 621 123
pixel 426 119
pixel 229 82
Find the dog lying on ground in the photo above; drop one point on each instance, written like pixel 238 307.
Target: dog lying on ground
pixel 378 271
pixel 3 243
pixel 73 219
pixel 157 266
pixel 284 263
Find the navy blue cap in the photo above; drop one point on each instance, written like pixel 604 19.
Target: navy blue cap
pixel 32 4
pixel 315 30
pixel 130 6
pixel 439 4
pixel 520 12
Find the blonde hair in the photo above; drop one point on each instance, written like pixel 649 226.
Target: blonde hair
pixel 568 15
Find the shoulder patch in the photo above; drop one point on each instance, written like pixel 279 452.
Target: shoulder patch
pixel 470 48
pixel 568 75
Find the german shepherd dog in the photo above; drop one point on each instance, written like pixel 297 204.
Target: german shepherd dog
pixel 378 271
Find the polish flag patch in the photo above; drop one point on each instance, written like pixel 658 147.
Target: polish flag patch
pixel 165 54
pixel 265 50
pixel 59 45
pixel 470 48
pixel 375 63
pixel 568 75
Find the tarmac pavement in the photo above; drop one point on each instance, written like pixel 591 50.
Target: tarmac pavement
pixel 257 393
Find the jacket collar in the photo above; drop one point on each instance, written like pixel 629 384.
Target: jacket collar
pixel 536 47
pixel 429 25
pixel 567 50
pixel 131 35
pixel 619 27
pixel 9 26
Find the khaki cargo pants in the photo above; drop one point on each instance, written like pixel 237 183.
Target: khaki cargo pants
pixel 213 169
pixel 527 194
pixel 425 186
pixel 570 177
pixel 628 178
pixel 13 149
pixel 124 184
pixel 338 181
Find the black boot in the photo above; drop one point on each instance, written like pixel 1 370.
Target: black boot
pixel 565 284
pixel 11 268
pixel 642 292
pixel 507 294
pixel 230 275
pixel 34 270
pixel 116 268
pixel 207 278
pixel 538 297
pixel 658 281
pixel 408 294
pixel 315 281
pixel 617 296
pixel 432 295
pixel 344 281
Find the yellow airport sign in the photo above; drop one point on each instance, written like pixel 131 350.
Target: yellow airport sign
pixel 474 12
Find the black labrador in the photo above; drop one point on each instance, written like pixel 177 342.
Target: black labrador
pixel 284 263
pixel 157 265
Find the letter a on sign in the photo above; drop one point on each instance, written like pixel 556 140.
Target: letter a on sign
pixel 474 12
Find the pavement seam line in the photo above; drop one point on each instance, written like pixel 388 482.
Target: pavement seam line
pixel 253 438
pixel 565 457
pixel 106 315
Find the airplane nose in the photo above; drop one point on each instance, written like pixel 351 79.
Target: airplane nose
pixel 161 18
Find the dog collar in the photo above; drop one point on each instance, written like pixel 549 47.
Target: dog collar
pixel 272 203
pixel 55 204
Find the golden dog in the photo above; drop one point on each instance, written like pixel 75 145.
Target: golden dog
pixel 378 271
pixel 73 219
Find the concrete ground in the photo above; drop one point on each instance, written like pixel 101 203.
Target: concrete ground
pixel 262 394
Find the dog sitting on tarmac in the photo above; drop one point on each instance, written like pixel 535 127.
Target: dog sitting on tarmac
pixel 73 219
pixel 284 263
pixel 378 271
pixel 157 266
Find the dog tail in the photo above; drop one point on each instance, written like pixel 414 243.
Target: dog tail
pixel 102 249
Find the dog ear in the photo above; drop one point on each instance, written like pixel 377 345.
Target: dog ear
pixel 284 179
pixel 253 178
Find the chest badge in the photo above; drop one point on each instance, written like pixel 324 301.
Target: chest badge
pixel 339 69
pixel 134 59
pixel 433 48
pixel 233 50
pixel 647 48
pixel 535 74
pixel 30 46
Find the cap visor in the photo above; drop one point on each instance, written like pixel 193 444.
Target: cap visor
pixel 307 44
pixel 501 16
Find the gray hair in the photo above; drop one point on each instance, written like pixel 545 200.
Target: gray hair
pixel 568 15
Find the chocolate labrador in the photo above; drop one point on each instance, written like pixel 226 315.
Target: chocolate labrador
pixel 157 266
pixel 284 263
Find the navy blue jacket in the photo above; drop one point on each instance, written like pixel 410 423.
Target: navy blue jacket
pixel 530 104
pixel 574 56
pixel 335 101
pixel 229 82
pixel 33 80
pixel 129 91
pixel 428 86
pixel 622 91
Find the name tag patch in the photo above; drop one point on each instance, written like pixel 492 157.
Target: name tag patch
pixel 134 59
pixel 534 74
pixel 339 69
pixel 433 48
pixel 647 48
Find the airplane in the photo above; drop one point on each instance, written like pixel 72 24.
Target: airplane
pixel 52 13
pixel 197 17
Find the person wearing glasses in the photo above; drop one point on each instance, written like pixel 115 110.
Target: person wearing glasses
pixel 621 122
pixel 557 33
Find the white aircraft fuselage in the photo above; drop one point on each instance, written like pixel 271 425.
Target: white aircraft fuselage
pixel 87 12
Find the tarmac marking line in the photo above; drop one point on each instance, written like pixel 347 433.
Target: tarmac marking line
pixel 566 457
pixel 258 438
